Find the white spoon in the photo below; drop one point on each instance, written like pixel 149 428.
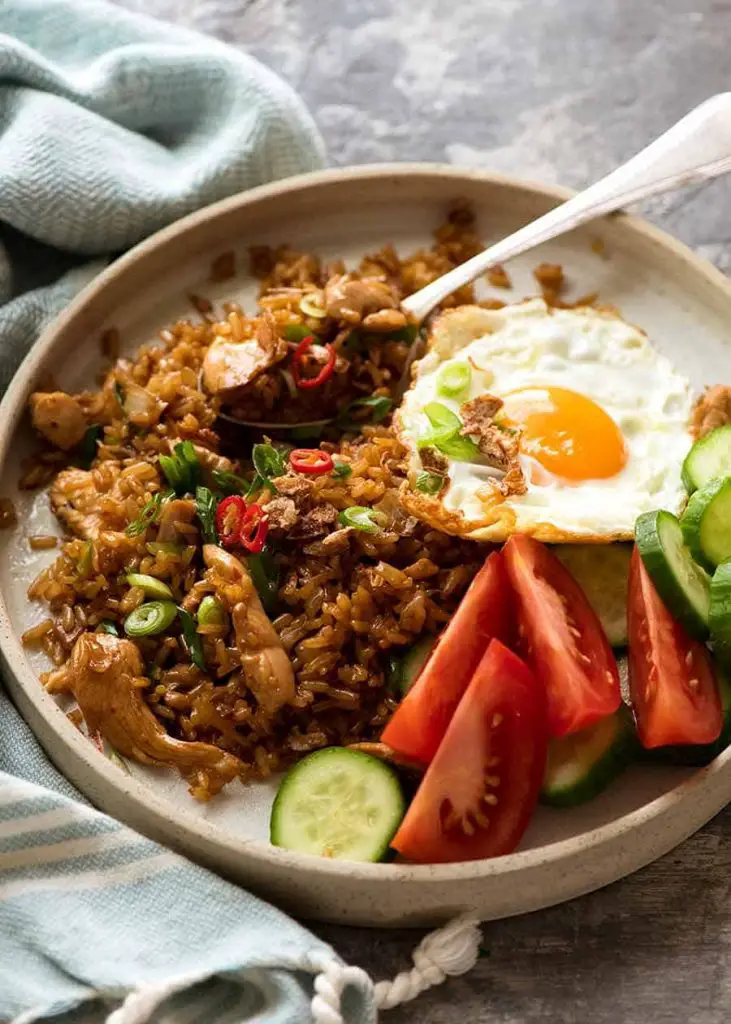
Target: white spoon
pixel 695 149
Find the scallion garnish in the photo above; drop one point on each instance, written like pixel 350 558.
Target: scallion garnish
pixel 379 406
pixel 191 639
pixel 205 504
pixel 360 518
pixel 454 379
pixel 91 439
pixel 182 469
pixel 150 618
pixel 429 483
pixel 229 483
pixel 342 469
pixel 148 513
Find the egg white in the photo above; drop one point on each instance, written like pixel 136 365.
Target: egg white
pixel 592 352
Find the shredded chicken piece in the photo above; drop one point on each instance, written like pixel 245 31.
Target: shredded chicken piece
pixel 315 523
pixel 281 514
pixel 354 299
pixel 711 410
pixel 266 666
pixel 75 499
pixel 297 488
pixel 231 365
pixel 105 675
pixel 478 422
pixel 334 544
pixel 141 407
pixel 175 513
pixel 59 417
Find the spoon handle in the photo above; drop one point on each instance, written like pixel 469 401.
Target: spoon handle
pixel 695 149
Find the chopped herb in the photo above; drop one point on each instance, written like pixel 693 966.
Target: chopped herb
pixel 461 449
pixel 211 612
pixel 148 513
pixel 192 641
pixel 256 485
pixel 150 618
pixel 91 439
pixel 205 503
pixel 268 461
pixel 264 573
pixel 342 469
pixel 229 483
pixel 119 392
pixel 83 566
pixel 182 468
pixel 360 518
pixel 429 483
pixel 107 626
pixel 454 379
pixel 150 585
pixel 445 434
pixel 379 406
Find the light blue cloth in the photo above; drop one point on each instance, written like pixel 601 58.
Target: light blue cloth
pixel 112 125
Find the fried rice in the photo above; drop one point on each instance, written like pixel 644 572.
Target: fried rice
pixel 342 600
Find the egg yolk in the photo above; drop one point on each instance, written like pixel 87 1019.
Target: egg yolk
pixel 567 433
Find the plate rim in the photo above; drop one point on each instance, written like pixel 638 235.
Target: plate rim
pixel 25 686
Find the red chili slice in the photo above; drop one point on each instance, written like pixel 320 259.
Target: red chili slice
pixel 310 460
pixel 254 529
pixel 230 516
pixel 298 360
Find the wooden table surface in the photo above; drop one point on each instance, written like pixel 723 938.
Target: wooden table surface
pixel 559 91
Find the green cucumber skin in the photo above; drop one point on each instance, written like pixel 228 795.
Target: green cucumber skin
pixel 381 851
pixel 692 473
pixel 404 669
pixel 598 776
pixel 662 575
pixel 719 616
pixel 692 522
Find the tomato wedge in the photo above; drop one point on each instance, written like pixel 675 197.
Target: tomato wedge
pixel 671 679
pixel 564 641
pixel 420 721
pixel 479 792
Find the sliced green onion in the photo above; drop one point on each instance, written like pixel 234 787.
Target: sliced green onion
pixel 119 392
pixel 151 586
pixel 211 612
pixel 192 641
pixel 150 618
pixel 461 449
pixel 229 483
pixel 107 626
pixel 173 472
pixel 205 504
pixel 454 379
pixel 264 573
pixel 429 483
pixel 380 406
pixel 342 469
pixel 444 422
pixel 148 513
pixel 311 305
pixel 163 547
pixel 296 332
pixel 268 461
pixel 88 445
pixel 445 434
pixel 360 518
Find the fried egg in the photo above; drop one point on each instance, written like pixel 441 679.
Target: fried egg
pixel 600 419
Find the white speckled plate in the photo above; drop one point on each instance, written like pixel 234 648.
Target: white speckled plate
pixel 683 303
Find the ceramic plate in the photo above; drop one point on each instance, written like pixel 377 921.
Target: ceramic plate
pixel 683 303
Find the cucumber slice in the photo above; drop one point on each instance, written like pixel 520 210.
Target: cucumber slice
pixel 710 457
pixel 404 669
pixel 706 523
pixel 704 753
pixel 682 584
pixel 602 571
pixel 583 764
pixel 338 803
pixel 719 616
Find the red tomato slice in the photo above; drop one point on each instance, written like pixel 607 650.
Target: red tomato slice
pixel 421 719
pixel 480 790
pixel 565 643
pixel 671 677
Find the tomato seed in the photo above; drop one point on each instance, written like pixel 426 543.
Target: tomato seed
pixel 496 720
pixel 482 820
pixel 490 799
pixel 467 827
pixel 492 780
pixel 610 678
pixel 694 684
pixel 689 659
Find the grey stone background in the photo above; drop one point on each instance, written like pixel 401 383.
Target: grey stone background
pixel 561 91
